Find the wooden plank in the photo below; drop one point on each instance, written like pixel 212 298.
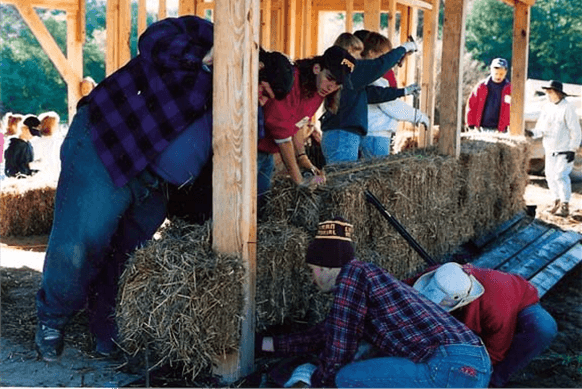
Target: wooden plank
pixel 483 240
pixel 48 43
pixel 516 2
pixel 187 7
pixel 162 9
pixel 391 7
pixel 234 142
pixel 80 29
pixel 111 53
pixel 141 17
pixel 372 15
pixel 550 276
pixel 62 5
pixel 529 262
pixel 521 22
pixel 75 59
pixel 427 97
pixel 266 25
pixel 291 17
pixel 307 34
pixel 495 258
pixel 452 77
pixel 417 4
pixel 349 15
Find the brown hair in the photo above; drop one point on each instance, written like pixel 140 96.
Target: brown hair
pixel 308 82
pixel 349 42
pixel 376 42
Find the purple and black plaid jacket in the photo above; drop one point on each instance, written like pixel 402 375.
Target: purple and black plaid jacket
pixel 138 110
pixel 371 304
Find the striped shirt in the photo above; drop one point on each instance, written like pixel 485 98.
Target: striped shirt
pixel 371 304
pixel 138 110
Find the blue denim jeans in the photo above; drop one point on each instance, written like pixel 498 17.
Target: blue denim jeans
pixel 535 330
pixel 375 146
pixel 452 366
pixel 96 224
pixel 265 167
pixel 340 146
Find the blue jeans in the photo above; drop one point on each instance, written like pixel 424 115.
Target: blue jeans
pixel 452 366
pixel 535 330
pixel 265 167
pixel 96 224
pixel 340 146
pixel 375 146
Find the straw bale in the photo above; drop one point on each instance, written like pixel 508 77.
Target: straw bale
pixel 27 206
pixel 181 300
pixel 282 275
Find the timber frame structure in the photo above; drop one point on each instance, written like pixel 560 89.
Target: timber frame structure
pixel 290 26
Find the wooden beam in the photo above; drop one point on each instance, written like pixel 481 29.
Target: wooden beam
pixel 521 22
pixel 187 7
pixel 81 29
pixel 391 20
pixel 291 17
pixel 61 5
pixel 372 15
pixel 141 17
pixel 300 23
pixel 234 142
pixel 266 25
pixel 75 59
pixel 427 97
pixel 513 3
pixel 402 73
pixel 118 34
pixel 349 15
pixel 48 43
pixel 452 77
pixel 307 26
pixel 162 9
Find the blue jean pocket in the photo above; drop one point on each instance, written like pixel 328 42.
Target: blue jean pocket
pixel 466 376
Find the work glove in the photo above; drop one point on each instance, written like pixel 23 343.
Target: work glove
pixel 410 46
pixel 422 119
pixel 411 89
pixel 569 156
pixel 301 374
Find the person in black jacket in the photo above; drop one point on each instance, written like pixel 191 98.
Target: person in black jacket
pixel 20 153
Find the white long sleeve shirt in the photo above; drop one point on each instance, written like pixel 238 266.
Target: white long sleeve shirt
pixel 558 125
pixel 383 118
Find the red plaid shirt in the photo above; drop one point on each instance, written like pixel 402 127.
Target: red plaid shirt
pixel 371 304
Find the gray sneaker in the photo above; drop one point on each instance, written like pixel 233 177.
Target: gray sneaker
pixel 49 342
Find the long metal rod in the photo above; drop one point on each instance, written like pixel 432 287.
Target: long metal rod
pixel 400 228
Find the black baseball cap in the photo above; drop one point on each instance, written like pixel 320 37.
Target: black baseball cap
pixel 340 63
pixel 33 125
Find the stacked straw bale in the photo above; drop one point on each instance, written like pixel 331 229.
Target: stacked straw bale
pixel 180 300
pixel 26 206
pixel 184 301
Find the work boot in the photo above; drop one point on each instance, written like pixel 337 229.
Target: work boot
pixel 564 211
pixel 49 342
pixel 554 207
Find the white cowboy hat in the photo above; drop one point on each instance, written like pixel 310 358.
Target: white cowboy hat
pixel 449 286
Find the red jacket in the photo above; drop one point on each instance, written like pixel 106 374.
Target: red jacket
pixel 493 316
pixel 476 103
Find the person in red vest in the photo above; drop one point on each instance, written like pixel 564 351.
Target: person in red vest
pixel 502 308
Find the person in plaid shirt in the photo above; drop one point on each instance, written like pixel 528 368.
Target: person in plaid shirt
pixel 420 344
pixel 145 126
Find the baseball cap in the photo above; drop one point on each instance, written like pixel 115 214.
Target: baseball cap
pixel 340 63
pixel 332 246
pixel 499 63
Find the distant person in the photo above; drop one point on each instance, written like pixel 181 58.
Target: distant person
pixel 20 152
pixel 87 85
pixel 502 308
pixel 559 127
pixel 489 104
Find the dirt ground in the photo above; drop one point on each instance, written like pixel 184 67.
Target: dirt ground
pixel 558 367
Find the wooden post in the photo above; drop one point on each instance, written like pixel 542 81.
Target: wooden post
pixel 118 34
pixel 291 17
pixel 429 42
pixel 452 77
pixel 307 25
pixel 141 17
pixel 402 72
pixel 349 15
pixel 521 18
pixel 187 7
pixel 236 37
pixel 266 16
pixel 372 15
pixel 162 9
pixel 75 58
pixel 391 20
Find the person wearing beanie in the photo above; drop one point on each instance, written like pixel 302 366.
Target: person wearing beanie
pixel 502 308
pixel 419 344
pixel 142 128
pixel 20 153
pixel 559 128
pixel 489 104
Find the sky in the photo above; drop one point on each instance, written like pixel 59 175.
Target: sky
pixel 171 5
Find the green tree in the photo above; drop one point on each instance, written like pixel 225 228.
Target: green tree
pixel 555 50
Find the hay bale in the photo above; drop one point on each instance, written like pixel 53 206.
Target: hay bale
pixel 180 300
pixel 27 206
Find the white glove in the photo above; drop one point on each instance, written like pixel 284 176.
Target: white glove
pixel 422 119
pixel 411 89
pixel 302 373
pixel 410 46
